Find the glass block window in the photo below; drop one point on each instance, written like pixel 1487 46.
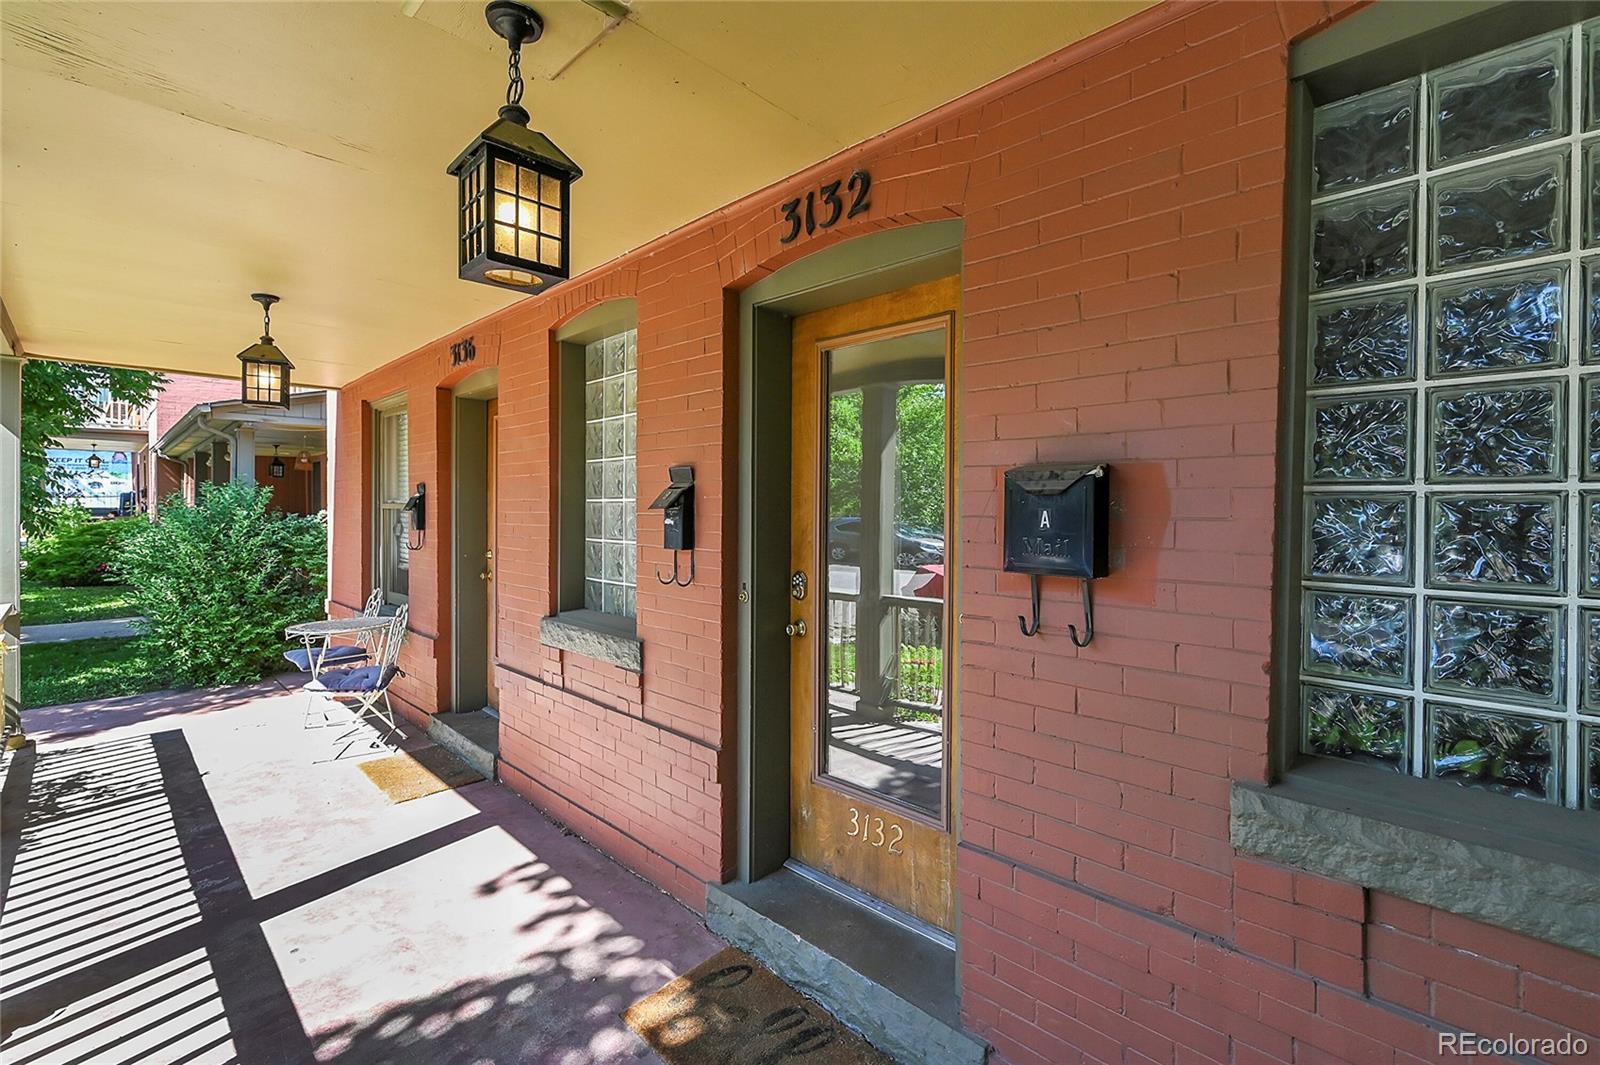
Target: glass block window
pixel 1450 525
pixel 610 402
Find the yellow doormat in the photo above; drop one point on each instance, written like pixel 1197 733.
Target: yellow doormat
pixel 730 1008
pixel 412 775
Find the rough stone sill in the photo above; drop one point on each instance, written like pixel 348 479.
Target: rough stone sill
pixel 1520 865
pixel 595 635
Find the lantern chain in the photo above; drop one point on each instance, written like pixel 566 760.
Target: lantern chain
pixel 266 323
pixel 514 88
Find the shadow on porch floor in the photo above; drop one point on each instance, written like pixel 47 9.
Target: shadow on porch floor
pixel 189 884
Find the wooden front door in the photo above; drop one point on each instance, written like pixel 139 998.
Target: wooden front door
pixel 490 597
pixel 872 724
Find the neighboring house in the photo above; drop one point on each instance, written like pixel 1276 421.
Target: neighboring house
pixel 197 430
pixel 101 459
pixel 225 440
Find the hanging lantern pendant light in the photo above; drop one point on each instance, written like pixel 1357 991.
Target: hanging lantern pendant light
pixel 512 207
pixel 275 468
pixel 264 370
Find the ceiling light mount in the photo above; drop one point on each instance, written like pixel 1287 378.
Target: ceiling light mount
pixel 518 23
pixel 266 299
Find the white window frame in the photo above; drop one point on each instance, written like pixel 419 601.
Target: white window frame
pixel 390 423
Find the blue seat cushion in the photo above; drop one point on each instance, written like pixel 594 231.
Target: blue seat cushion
pixel 300 658
pixel 356 681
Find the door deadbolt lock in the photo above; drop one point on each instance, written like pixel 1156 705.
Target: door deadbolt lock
pixel 795 628
pixel 797 584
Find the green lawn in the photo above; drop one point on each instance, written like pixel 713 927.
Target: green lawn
pixel 920 680
pixel 77 670
pixel 44 604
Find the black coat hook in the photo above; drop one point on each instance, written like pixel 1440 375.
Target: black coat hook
pixel 1072 630
pixel 1088 619
pixel 1022 622
pixel 676 576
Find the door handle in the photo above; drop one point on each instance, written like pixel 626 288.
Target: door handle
pixel 795 628
pixel 486 576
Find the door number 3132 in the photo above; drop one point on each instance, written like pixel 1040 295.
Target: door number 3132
pixel 823 208
pixel 874 831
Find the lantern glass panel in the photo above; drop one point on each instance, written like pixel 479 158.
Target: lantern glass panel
pixel 263 383
pixel 505 175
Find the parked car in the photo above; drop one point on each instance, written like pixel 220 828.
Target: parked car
pixel 913 547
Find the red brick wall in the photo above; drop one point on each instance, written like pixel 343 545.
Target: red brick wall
pixel 183 391
pixel 1123 208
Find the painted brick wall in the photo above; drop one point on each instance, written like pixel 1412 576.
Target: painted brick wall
pixel 1123 207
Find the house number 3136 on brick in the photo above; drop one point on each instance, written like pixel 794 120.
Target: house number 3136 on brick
pixel 822 208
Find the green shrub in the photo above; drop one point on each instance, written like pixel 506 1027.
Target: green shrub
pixel 218 581
pixel 78 549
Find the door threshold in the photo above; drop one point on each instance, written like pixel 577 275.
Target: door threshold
pixel 878 906
pixel 894 985
pixel 473 737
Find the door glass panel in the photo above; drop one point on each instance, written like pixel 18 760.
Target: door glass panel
pixel 883 698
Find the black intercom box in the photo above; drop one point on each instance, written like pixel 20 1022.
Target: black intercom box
pixel 676 502
pixel 1056 519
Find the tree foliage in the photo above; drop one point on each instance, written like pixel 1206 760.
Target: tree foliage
pixel 77 550
pixel 217 582
pixel 920 464
pixel 58 398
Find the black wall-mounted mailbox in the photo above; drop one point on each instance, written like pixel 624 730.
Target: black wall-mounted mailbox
pixel 1056 520
pixel 676 502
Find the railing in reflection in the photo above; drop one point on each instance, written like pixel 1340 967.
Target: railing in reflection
pixel 118 414
pixel 913 680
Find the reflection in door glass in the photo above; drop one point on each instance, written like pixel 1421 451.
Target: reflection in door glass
pixel 883 711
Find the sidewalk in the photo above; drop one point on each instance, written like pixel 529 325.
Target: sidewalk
pixel 78 630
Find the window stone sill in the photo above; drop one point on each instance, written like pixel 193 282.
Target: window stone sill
pixel 595 635
pixel 1523 866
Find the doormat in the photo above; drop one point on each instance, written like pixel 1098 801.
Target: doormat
pixel 411 775
pixel 731 1008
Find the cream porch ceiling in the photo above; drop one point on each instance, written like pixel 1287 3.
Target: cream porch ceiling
pixel 163 160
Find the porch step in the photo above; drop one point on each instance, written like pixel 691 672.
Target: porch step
pixel 474 738
pixel 894 986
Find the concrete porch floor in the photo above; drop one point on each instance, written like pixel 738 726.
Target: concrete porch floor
pixel 193 883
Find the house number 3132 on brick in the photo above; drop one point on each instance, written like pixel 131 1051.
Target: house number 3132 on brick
pixel 824 207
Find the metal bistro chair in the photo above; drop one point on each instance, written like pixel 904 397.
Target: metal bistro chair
pixel 313 660
pixel 362 688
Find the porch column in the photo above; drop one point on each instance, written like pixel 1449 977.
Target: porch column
pixel 876 650
pixel 330 436
pixel 244 454
pixel 11 521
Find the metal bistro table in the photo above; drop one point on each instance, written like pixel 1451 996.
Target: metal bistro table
pixel 324 631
